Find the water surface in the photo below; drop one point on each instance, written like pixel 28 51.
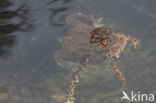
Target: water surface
pixel 29 33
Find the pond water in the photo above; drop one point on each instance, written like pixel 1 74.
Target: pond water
pixel 29 35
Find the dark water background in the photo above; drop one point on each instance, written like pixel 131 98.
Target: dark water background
pixel 29 33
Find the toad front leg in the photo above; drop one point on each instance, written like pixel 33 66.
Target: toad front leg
pixel 116 71
pixel 61 57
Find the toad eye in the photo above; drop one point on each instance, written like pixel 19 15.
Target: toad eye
pixel 105 43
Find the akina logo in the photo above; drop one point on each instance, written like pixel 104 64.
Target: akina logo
pixel 137 96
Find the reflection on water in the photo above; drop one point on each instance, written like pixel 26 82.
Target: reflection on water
pixel 7 28
pixel 56 17
pixel 55 12
pixel 4 3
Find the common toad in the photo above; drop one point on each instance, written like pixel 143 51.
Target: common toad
pixel 89 37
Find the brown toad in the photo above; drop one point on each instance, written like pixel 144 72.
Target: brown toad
pixel 110 45
pixel 93 40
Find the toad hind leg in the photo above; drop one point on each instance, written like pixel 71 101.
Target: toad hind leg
pixel 116 71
